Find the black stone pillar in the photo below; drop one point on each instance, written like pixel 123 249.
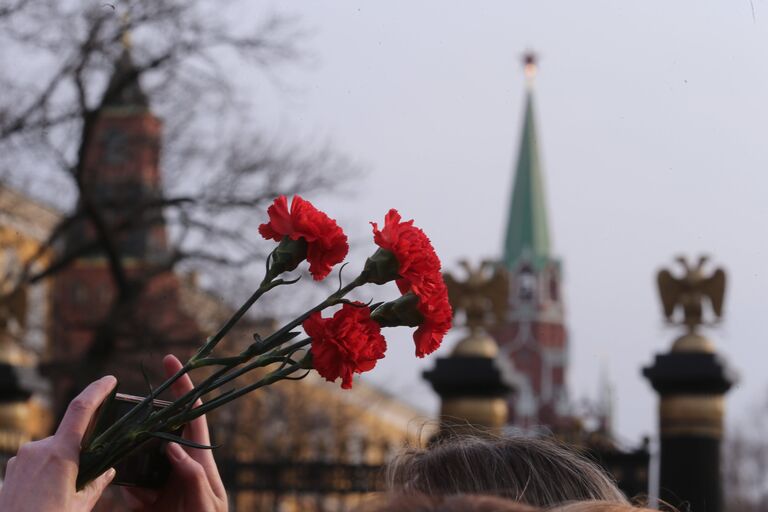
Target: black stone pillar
pixel 473 385
pixel 691 381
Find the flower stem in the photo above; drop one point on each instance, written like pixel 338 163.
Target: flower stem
pixel 122 436
pixel 219 401
pixel 192 363
pixel 280 356
pixel 273 340
pixel 220 377
pixel 214 340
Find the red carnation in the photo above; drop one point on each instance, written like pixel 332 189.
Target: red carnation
pixel 419 273
pixel 349 342
pixel 413 251
pixel 326 242
pixel 437 312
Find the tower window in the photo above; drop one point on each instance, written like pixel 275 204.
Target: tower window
pixel 527 285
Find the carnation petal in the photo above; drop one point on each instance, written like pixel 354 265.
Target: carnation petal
pixel 419 271
pixel 326 242
pixel 279 216
pixel 349 342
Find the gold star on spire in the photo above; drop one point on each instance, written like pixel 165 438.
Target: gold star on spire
pixel 529 66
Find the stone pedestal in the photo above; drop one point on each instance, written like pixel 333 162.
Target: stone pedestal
pixel 691 381
pixel 473 385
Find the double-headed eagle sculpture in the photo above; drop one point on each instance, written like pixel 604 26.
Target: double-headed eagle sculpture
pixel 689 292
pixel 482 295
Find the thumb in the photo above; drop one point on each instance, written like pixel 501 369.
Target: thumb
pixel 95 489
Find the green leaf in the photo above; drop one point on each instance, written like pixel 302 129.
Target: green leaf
pixel 287 281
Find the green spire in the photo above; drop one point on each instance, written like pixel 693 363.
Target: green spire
pixel 527 230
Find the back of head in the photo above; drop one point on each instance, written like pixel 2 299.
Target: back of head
pixel 599 506
pixel 535 471
pixel 458 503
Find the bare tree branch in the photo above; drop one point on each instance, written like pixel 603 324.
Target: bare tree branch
pixel 218 166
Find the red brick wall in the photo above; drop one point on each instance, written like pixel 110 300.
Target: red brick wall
pixel 124 154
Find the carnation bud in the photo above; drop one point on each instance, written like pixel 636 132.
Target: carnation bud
pixel 382 267
pixel 287 255
pixel 401 312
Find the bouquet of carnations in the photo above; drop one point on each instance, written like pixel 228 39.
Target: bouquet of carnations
pixel 338 345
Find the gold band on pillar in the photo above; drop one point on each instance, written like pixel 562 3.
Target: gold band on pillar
pixel 482 412
pixel 692 415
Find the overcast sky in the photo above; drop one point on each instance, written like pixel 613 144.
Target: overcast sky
pixel 652 122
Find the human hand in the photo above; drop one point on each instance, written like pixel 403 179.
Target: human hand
pixel 41 477
pixel 194 484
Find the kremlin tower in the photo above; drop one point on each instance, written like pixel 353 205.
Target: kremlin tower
pixel 107 321
pixel 533 335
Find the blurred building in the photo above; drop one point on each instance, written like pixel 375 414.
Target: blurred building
pixel 24 312
pixel 305 445
pixel 108 317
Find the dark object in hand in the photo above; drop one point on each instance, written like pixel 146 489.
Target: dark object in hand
pixel 148 465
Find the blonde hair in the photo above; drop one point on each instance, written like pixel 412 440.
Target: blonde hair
pixel 458 503
pixel 534 471
pixel 599 506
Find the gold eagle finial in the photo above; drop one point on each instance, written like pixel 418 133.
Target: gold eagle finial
pixel 689 292
pixel 482 295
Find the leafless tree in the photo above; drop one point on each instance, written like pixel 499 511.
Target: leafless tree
pixel 193 59
pixel 745 457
